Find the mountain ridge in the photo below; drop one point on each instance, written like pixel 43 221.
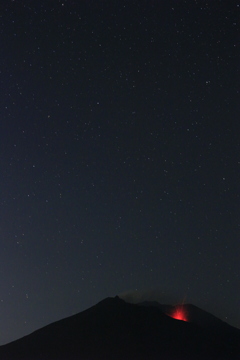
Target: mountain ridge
pixel 115 329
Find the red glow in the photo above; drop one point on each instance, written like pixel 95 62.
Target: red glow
pixel 179 314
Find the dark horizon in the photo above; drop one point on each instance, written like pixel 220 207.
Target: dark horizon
pixel 137 298
pixel 116 329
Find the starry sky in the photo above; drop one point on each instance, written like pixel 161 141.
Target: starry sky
pixel 120 156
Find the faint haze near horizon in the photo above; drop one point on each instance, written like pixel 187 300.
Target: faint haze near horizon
pixel 136 296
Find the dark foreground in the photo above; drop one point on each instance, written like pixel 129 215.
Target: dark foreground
pixel 114 330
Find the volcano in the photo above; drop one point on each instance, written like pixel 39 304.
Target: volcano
pixel 114 329
pixel 179 314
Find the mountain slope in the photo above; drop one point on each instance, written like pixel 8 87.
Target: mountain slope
pixel 114 329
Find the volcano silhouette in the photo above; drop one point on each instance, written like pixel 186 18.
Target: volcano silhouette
pixel 116 330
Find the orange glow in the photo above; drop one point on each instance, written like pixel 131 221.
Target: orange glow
pixel 179 314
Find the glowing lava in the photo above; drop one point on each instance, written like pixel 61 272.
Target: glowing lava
pixel 179 314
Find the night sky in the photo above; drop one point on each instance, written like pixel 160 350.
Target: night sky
pixel 120 156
